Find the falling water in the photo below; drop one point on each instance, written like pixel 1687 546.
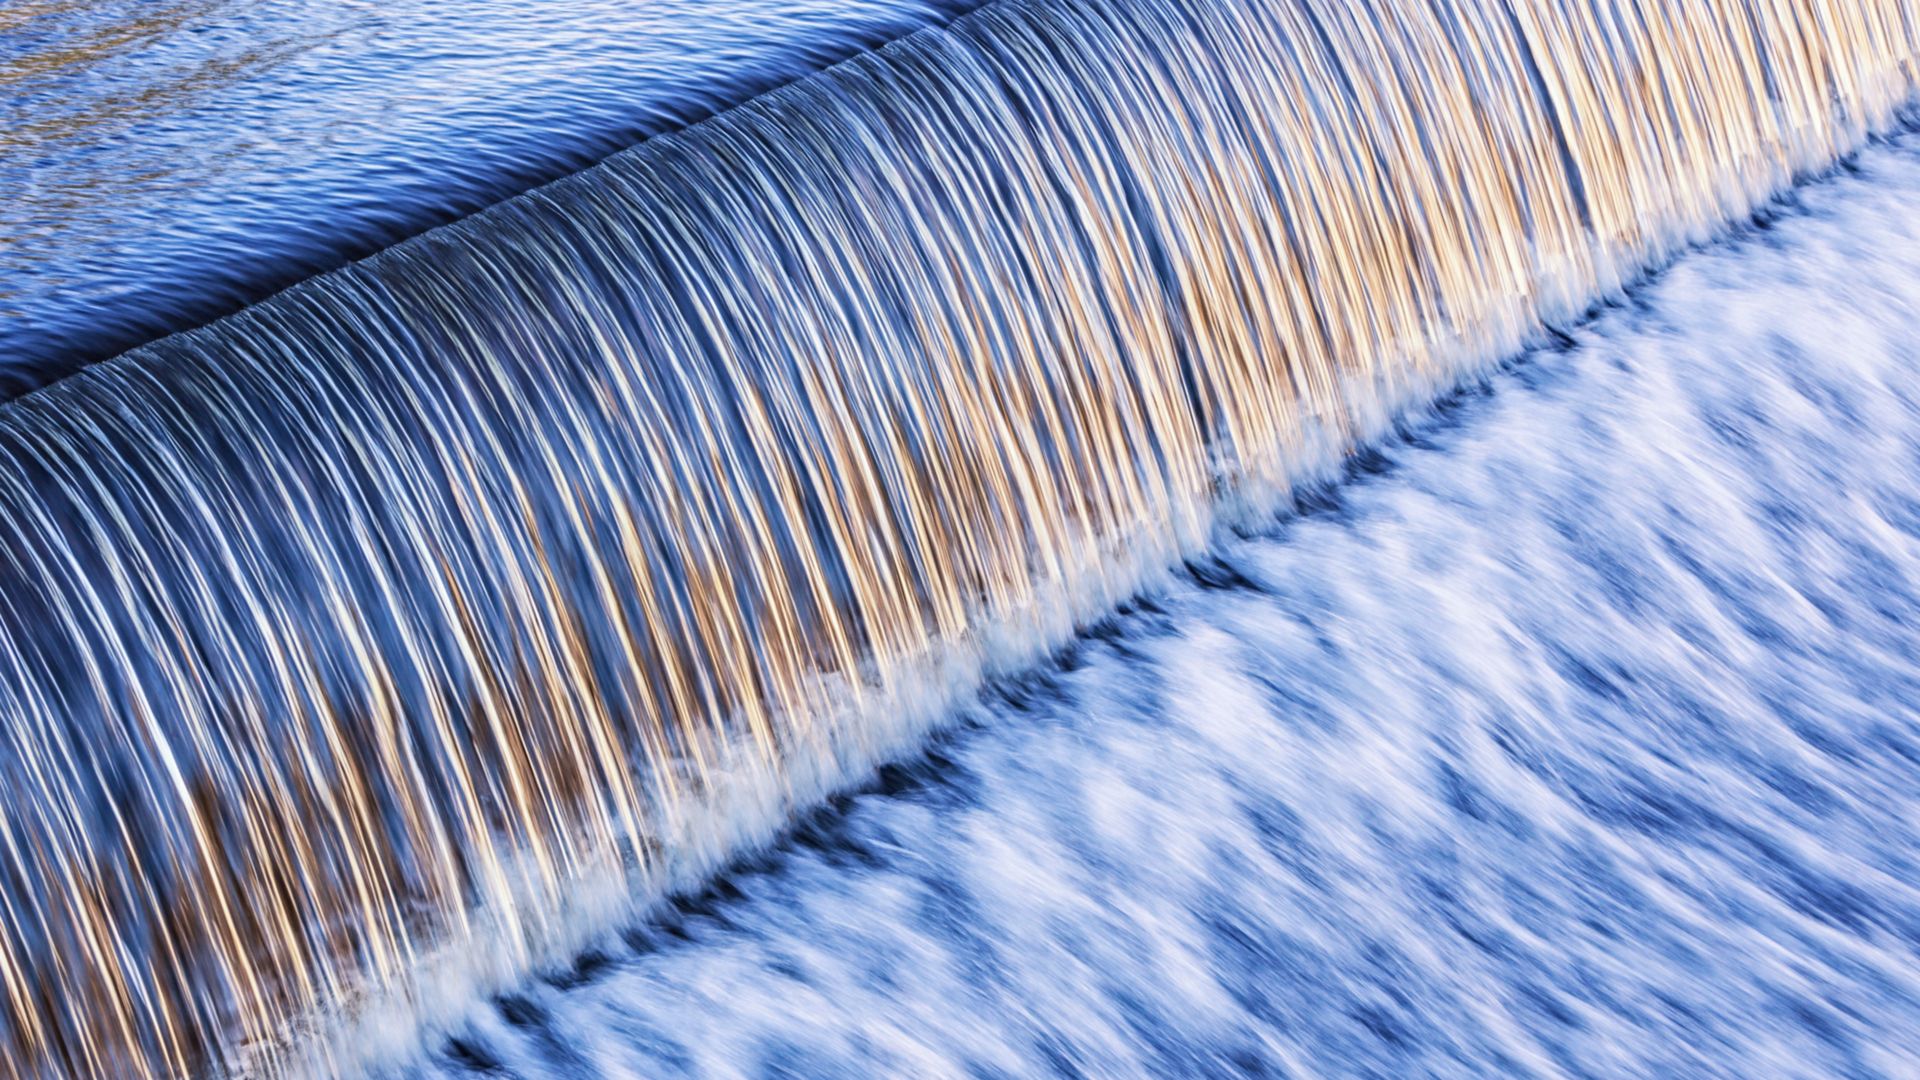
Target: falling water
pixel 436 607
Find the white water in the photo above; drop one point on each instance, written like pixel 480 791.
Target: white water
pixel 1580 739
pixel 367 648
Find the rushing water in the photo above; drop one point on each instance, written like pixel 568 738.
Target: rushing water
pixel 1576 733
pixel 365 649
pixel 164 161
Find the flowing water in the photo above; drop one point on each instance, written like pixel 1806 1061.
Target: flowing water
pixel 392 637
pixel 1575 733
pixel 163 162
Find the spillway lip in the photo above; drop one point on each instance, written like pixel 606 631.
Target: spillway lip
pixel 46 373
pixel 765 809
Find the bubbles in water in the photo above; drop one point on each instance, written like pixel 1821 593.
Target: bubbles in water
pixel 368 645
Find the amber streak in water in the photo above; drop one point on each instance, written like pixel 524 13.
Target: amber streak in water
pixel 368 624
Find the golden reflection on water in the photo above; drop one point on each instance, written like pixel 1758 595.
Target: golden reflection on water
pixel 369 626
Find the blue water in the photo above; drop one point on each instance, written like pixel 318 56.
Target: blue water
pixel 1574 734
pixel 163 163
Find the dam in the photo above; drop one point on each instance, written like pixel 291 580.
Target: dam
pixel 373 648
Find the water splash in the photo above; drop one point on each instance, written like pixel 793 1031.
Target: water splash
pixel 432 609
pixel 1575 734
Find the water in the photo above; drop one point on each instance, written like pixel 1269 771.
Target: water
pixel 394 637
pixel 163 163
pixel 1574 733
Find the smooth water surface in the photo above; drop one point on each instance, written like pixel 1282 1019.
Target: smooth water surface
pixel 364 651
pixel 162 163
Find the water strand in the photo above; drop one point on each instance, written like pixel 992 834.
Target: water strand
pixel 545 559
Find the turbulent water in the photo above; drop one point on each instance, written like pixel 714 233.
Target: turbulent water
pixel 1575 733
pixel 390 638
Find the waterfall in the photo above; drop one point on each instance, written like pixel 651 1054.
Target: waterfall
pixel 434 609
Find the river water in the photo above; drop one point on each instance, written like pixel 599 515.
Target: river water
pixel 1575 733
